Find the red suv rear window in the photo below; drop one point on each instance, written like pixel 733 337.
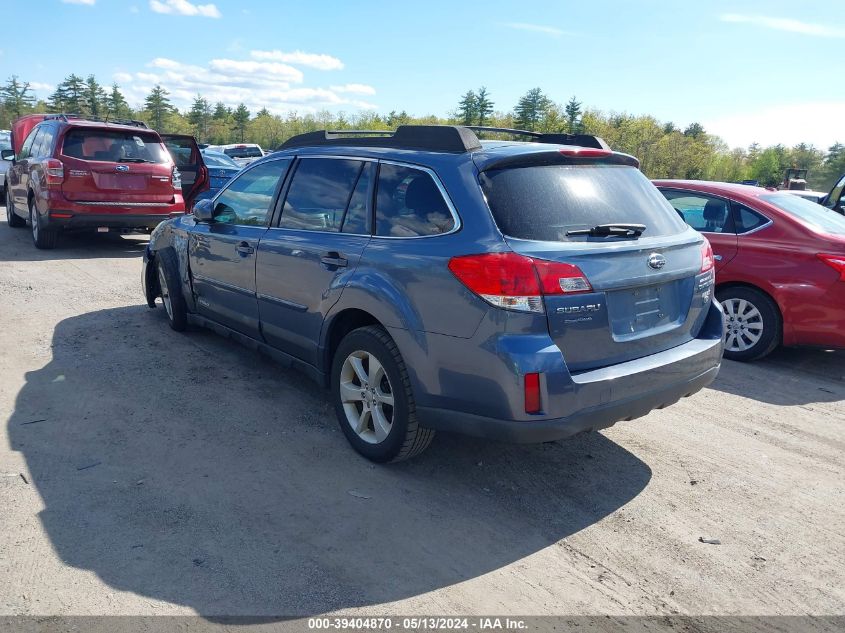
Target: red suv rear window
pixel 114 146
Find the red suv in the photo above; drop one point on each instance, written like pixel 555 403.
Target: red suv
pixel 780 264
pixel 69 172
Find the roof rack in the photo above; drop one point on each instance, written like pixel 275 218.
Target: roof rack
pixel 62 116
pixel 433 138
pixel 579 140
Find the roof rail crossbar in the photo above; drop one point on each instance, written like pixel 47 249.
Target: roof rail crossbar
pixel 67 116
pixel 580 140
pixel 432 138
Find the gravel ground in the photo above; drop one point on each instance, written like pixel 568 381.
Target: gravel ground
pixel 148 472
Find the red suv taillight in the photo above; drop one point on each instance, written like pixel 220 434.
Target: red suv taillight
pixel 837 262
pixel 707 261
pixel 517 282
pixel 54 172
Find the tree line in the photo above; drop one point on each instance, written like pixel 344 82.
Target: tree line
pixel 664 150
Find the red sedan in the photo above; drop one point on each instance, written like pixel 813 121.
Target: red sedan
pixel 780 264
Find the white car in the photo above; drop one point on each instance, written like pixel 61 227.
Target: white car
pixel 241 153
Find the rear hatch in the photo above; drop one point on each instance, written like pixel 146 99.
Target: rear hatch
pixel 114 166
pixel 646 292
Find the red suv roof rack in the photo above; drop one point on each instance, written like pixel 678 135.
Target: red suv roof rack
pixel 66 117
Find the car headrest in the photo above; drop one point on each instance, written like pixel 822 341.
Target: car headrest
pixel 422 195
pixel 715 211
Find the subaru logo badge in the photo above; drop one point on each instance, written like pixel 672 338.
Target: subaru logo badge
pixel 656 261
pixel 121 168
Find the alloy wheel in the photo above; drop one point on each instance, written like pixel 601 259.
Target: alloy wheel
pixel 165 293
pixel 367 397
pixel 743 325
pixel 33 220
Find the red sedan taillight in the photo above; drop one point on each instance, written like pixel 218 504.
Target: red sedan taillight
pixel 517 282
pixel 54 172
pixel 837 262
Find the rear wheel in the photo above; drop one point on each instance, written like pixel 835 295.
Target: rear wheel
pixel 373 398
pixel 752 323
pixel 12 218
pixel 41 237
pixel 170 289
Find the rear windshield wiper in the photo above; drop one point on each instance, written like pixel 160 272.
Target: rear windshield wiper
pixel 134 160
pixel 615 229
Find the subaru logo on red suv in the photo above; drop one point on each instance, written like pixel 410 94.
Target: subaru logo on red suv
pixel 121 167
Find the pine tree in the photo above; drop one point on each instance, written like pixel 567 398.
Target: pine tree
pixel 483 106
pixel 241 117
pixel 221 112
pixel 158 106
pixel 116 103
pixel 694 130
pixel 573 116
pixel 200 116
pixel 94 98
pixel 69 96
pixel 16 96
pixel 530 109
pixel 468 108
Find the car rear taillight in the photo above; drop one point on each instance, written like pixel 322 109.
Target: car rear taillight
pixel 532 393
pixel 837 262
pixel 54 172
pixel 707 260
pixel 176 177
pixel 586 152
pixel 517 282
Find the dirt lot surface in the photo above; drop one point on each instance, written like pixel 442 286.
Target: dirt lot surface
pixel 148 472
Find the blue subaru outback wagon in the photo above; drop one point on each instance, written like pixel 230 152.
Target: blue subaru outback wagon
pixel 525 291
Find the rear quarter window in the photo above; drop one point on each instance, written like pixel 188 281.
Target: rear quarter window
pixel 409 204
pixel 543 203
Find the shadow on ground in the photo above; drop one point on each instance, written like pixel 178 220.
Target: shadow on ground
pixel 187 469
pixel 18 246
pixel 788 376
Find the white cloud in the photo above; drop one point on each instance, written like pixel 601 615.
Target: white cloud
pixel 536 28
pixel 38 86
pixel 818 123
pixel 183 7
pixel 259 84
pixel 89 3
pixel 312 60
pixel 785 24
pixel 358 89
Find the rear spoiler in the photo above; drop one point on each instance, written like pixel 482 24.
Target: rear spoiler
pixel 548 156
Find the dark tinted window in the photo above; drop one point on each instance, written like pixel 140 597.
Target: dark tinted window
pixel 747 219
pixel 243 152
pixel 357 218
pixel 114 146
pixel 543 203
pixel 319 193
pixel 248 198
pixel 702 212
pixel 836 193
pixel 409 204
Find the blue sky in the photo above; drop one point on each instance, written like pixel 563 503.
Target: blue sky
pixel 767 71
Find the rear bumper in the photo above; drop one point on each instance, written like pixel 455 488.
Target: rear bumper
pixel 55 220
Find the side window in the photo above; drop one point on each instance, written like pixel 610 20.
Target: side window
pixel 26 148
pixel 409 204
pixel 747 219
pixel 44 143
pixel 320 193
pixel 702 212
pixel 247 200
pixel 357 219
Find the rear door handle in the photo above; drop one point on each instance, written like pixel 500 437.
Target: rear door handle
pixel 245 249
pixel 334 259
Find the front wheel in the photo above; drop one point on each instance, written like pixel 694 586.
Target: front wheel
pixel 752 323
pixel 373 398
pixel 12 218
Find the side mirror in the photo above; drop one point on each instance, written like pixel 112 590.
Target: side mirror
pixel 203 210
pixel 8 154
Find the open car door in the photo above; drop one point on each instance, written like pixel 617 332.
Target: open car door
pixel 186 154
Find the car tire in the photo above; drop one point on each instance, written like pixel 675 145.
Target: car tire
pixel 43 239
pixel 12 218
pixel 373 399
pixel 752 323
pixel 170 289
